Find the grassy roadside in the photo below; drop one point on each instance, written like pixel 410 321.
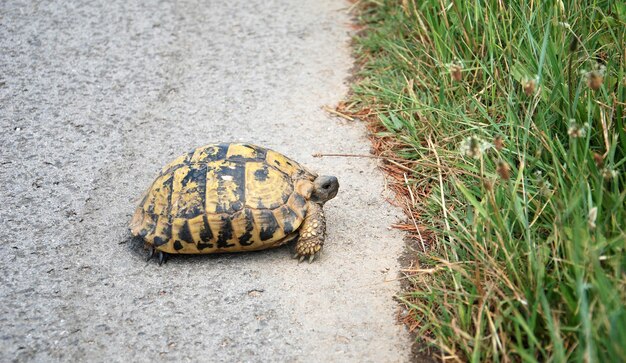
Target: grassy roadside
pixel 505 131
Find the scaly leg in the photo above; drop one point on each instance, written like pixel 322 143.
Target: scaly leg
pixel 312 233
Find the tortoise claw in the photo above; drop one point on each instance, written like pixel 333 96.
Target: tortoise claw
pixel 151 254
pixel 301 258
pixel 311 258
pixel 162 257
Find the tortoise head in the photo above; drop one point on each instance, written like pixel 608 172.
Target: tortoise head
pixel 325 188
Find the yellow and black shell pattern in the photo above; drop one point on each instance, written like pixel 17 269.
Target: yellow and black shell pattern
pixel 224 198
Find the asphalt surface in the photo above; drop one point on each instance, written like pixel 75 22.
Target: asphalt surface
pixel 95 96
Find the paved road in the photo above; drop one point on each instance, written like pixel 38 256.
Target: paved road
pixel 95 96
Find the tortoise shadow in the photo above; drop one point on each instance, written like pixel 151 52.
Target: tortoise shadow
pixel 137 247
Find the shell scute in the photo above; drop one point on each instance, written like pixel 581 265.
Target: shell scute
pixel 282 163
pixel 188 191
pixel 225 187
pixel 245 152
pixel 288 219
pixel 209 153
pixel 266 187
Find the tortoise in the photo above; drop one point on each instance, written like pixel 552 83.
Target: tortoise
pixel 233 197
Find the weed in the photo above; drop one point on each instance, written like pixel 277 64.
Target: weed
pixel 527 233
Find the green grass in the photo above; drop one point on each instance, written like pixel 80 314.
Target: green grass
pixel 513 115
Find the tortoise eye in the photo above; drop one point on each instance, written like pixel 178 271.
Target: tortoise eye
pixel 326 185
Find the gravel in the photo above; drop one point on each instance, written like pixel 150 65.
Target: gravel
pixel 95 96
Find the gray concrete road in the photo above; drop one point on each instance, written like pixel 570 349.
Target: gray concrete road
pixel 95 96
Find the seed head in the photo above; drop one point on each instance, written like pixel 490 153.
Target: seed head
pixel 608 173
pixel 575 130
pixel 565 25
pixel 488 184
pixel 598 159
pixel 594 80
pixel 504 170
pixel 498 143
pixel 455 70
pixel 530 86
pixel 595 77
pixel 473 147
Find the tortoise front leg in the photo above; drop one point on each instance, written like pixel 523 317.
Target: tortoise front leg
pixel 312 233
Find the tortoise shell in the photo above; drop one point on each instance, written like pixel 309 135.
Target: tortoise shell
pixel 224 198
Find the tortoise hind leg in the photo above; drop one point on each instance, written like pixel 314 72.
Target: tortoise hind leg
pixel 312 233
pixel 161 256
